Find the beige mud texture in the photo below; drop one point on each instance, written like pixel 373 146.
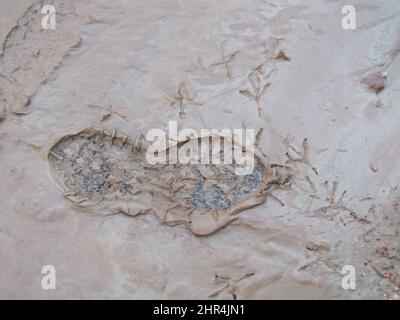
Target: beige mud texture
pixel 76 192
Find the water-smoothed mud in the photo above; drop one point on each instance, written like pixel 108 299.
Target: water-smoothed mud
pixel 107 172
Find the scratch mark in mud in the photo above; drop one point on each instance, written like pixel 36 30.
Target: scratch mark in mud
pixel 7 39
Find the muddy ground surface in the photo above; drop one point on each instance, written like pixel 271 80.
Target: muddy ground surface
pixel 326 98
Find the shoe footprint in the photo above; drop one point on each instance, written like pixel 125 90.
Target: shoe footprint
pixel 106 172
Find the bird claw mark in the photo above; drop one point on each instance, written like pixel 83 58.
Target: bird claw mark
pixel 385 266
pixel 109 112
pixel 295 156
pixel 226 59
pixel 335 206
pixel 229 284
pixel 272 51
pixel 183 98
pixel 259 83
pixel 259 76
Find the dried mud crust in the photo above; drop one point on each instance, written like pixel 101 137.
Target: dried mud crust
pixel 108 173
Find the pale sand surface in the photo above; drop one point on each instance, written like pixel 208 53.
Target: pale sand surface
pixel 119 65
